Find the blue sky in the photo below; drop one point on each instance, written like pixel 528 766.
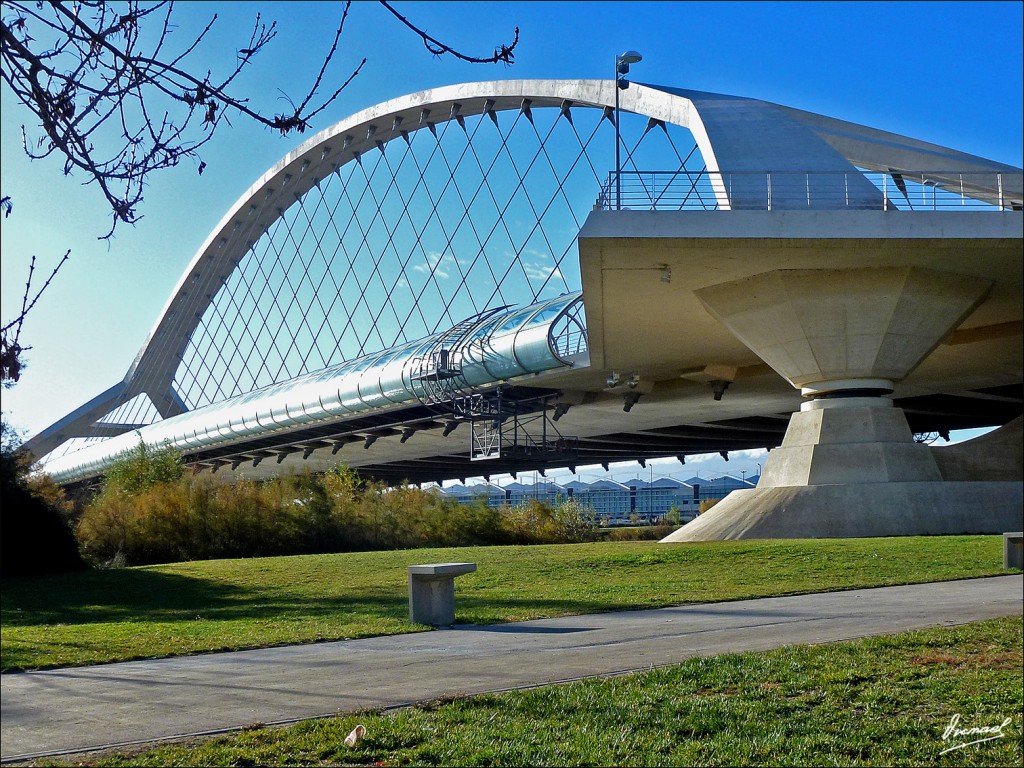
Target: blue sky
pixel 947 72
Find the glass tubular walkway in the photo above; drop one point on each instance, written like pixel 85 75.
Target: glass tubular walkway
pixel 491 349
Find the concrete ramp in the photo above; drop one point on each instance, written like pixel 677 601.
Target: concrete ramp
pixel 862 510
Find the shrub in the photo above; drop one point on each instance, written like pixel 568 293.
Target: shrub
pixel 184 517
pixel 143 467
pixel 35 536
pixel 102 529
pixel 644 533
pixel 474 523
pixel 575 522
pixel 535 522
pixel 707 504
pixel 196 518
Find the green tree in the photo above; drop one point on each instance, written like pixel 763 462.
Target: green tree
pixel 35 535
pixel 142 467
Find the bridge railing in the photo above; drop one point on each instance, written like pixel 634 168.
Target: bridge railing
pixel 685 190
pixel 567 336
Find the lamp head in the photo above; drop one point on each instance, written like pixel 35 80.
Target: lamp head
pixel 623 60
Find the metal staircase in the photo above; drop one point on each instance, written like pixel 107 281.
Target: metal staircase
pixel 437 376
pixel 502 422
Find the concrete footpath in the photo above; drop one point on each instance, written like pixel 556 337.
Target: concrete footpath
pixel 85 708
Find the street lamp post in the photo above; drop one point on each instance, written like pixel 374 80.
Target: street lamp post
pixel 622 62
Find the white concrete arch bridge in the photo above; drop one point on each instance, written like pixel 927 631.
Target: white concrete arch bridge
pixel 465 257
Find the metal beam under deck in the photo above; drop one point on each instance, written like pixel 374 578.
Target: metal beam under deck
pixel 360 441
pixel 926 414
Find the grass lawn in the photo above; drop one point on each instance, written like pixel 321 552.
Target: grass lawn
pixel 879 701
pixel 186 608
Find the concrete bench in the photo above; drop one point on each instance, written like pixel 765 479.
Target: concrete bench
pixel 1013 550
pixel 432 592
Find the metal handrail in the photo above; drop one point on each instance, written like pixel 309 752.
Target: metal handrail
pixel 793 190
pixel 567 335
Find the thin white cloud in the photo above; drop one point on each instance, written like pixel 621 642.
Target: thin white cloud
pixel 436 264
pixel 755 454
pixel 538 270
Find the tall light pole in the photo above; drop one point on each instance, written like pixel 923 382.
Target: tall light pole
pixel 622 62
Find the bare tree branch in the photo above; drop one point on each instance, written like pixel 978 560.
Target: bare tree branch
pixel 502 53
pixel 80 66
pixel 118 108
pixel 11 362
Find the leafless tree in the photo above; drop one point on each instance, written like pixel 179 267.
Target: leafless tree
pixel 10 335
pixel 117 99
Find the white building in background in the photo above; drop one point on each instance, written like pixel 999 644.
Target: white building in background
pixel 614 503
pixel 544 491
pixel 719 487
pixel 494 495
pixel 611 501
pixel 659 498
pixel 573 487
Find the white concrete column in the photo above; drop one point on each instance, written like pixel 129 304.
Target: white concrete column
pixel 848 440
pixel 843 337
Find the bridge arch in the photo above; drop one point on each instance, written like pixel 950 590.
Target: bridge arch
pixel 721 127
pixel 253 214
pixel 151 376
